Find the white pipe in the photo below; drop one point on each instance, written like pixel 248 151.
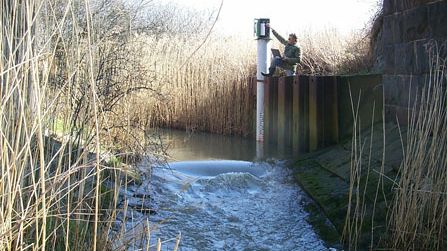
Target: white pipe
pixel 263 62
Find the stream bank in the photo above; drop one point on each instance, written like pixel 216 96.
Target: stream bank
pixel 325 176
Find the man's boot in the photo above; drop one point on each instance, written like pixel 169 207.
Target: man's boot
pixel 271 72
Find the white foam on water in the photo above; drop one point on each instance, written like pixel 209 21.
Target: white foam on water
pixel 238 206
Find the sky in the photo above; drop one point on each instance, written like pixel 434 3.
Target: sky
pixel 237 16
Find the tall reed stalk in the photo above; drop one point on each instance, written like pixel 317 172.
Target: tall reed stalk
pixel 419 215
pixel 416 216
pixel 360 171
pixel 45 186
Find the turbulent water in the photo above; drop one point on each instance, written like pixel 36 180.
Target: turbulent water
pixel 218 204
pixel 259 209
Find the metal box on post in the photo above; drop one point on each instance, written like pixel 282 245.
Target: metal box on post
pixel 261 31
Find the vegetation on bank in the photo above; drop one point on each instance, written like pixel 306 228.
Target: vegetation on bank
pixel 68 70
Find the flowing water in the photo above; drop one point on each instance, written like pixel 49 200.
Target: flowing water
pixel 219 198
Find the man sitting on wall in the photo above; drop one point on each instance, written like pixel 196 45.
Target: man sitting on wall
pixel 292 55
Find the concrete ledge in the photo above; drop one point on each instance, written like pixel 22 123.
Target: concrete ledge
pixel 325 175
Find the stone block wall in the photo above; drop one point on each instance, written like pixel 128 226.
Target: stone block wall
pixel 409 28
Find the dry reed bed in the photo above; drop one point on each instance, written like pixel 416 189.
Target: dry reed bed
pixel 50 191
pixel 328 52
pixel 205 92
pixel 62 77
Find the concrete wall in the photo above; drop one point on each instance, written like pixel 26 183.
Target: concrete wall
pixel 408 30
pixel 307 113
pixel 361 96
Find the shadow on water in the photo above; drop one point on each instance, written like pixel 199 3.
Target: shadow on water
pixel 205 146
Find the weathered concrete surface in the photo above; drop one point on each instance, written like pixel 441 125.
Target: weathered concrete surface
pixel 325 175
pixel 362 94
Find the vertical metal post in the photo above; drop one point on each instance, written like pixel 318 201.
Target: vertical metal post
pixel 262 66
pixel 262 33
pixel 263 61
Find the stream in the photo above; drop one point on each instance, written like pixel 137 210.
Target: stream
pixel 218 197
